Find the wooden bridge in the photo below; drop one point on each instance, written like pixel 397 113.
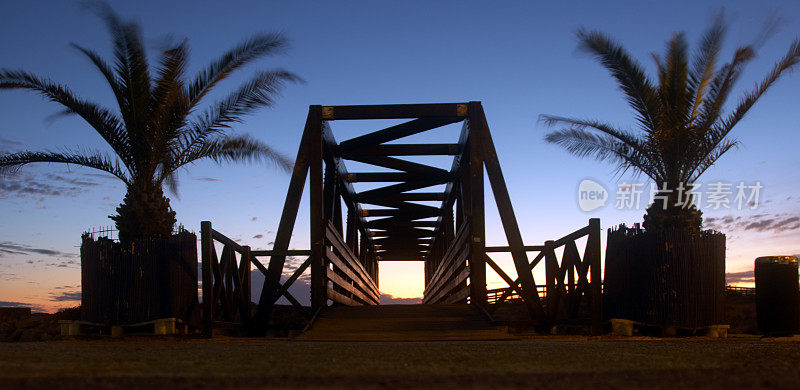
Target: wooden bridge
pixel 388 223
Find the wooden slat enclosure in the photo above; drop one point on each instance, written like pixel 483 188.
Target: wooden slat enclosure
pixel 142 281
pixel 351 231
pixel 665 278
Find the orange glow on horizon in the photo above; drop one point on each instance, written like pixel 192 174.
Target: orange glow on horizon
pixel 402 279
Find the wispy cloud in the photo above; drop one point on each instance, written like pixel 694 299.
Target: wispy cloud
pixel 7 145
pixel 65 296
pixel 388 299
pixel 28 185
pixel 739 277
pixel 34 308
pixel 761 223
pixel 206 179
pixel 12 248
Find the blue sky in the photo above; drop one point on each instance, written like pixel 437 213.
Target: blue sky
pixel 518 58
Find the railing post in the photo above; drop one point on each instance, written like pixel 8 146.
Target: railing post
pixel 596 275
pixel 319 294
pixel 206 246
pixel 477 241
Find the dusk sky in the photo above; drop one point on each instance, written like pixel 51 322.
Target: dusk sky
pixel 519 59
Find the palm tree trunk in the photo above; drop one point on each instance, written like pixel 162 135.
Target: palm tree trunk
pixel 145 213
pixel 673 209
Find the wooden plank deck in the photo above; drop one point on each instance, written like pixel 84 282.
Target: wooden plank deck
pixel 403 323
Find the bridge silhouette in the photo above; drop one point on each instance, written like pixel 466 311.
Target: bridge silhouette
pixel 352 231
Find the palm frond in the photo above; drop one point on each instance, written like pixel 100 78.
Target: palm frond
pixel 623 136
pixel 582 143
pixel 721 86
pixel 784 64
pixel 131 68
pixel 672 82
pixel 637 88
pixel 169 107
pixel 104 122
pixel 168 87
pixel 258 92
pixel 227 149
pixel 705 64
pixel 105 69
pixel 243 149
pixel 10 163
pixel 710 158
pixel 242 54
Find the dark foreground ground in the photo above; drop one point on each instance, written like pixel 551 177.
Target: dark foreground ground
pixel 546 362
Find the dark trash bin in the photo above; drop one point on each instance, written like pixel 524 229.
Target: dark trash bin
pixel 777 295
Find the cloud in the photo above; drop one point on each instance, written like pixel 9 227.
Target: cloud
pixel 27 185
pixel 34 308
pixel 8 146
pixel 206 179
pixel 8 247
pixel 66 296
pixel 761 223
pixel 258 236
pixel 9 276
pixel 739 277
pixel 388 299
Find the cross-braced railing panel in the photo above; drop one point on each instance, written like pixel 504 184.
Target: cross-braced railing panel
pixel 227 282
pixel 573 284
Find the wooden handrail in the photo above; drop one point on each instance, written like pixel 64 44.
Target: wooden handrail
pixel 364 290
pixel 450 254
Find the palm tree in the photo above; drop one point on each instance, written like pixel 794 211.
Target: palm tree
pixel 682 127
pixel 157 129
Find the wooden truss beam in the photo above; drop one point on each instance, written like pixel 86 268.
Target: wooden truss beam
pixel 396 132
pixel 395 111
pixel 405 150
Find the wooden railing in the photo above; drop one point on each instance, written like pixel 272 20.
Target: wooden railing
pixel 743 291
pixel 493 295
pixel 226 279
pixel 349 283
pixel 567 281
pixel 449 282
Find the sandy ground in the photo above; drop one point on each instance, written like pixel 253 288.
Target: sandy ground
pixel 544 362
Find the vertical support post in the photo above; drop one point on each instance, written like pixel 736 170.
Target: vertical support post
pixel 597 277
pixel 244 272
pixel 448 230
pixel 550 277
pixel 427 266
pixel 376 277
pixel 329 192
pixel 206 244
pixel 319 294
pixel 351 235
pixel 477 245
